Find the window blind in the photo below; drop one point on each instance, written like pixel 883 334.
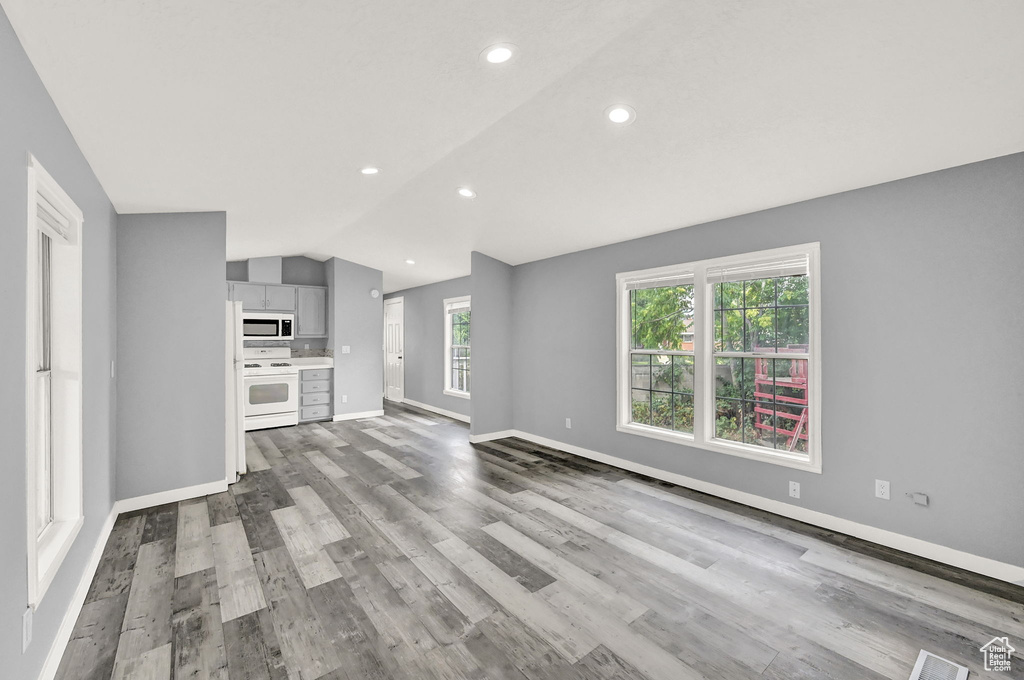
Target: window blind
pixel 51 221
pixel 797 265
pixel 669 281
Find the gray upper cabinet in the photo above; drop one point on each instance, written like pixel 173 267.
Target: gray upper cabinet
pixel 281 298
pixel 311 314
pixel 251 295
pixel 263 297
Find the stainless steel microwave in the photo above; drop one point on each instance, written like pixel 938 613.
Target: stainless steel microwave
pixel 267 326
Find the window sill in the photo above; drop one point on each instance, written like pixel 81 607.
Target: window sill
pixel 51 549
pixel 795 461
pixel 457 393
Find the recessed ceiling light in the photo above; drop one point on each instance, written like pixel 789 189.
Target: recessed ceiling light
pixel 620 114
pixel 466 192
pixel 499 53
pixel 370 170
pixel 410 261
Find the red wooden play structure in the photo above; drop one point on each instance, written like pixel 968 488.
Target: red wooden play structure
pixel 791 407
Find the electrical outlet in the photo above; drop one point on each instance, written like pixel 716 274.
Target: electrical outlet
pixel 26 629
pixel 345 349
pixel 794 489
pixel 305 346
pixel 344 399
pixel 568 423
pixel 882 489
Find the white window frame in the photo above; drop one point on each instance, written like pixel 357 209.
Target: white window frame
pixel 452 305
pixel 704 358
pixel 48 545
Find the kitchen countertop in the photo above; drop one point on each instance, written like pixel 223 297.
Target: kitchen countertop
pixel 307 363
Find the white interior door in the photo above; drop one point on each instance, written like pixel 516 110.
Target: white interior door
pixel 394 349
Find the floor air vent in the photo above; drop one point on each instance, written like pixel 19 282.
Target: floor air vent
pixel 931 667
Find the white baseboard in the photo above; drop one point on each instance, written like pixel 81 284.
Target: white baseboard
pixel 980 565
pixel 434 409
pixel 356 416
pixel 490 436
pixel 67 624
pixel 172 496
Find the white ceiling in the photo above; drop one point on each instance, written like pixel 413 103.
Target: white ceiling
pixel 268 109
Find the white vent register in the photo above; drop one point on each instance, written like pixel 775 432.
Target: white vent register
pixel 931 667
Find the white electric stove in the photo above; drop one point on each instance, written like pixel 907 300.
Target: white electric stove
pixel 271 388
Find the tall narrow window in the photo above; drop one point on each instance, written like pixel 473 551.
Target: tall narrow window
pixel 457 315
pixel 53 372
pixel 722 354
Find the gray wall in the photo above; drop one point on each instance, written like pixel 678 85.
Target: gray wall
pixel 424 342
pixel 356 319
pixel 921 332
pixel 30 123
pixel 303 271
pixel 491 332
pixel 170 333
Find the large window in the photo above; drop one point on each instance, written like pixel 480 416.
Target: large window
pixel 456 347
pixel 723 355
pixel 53 372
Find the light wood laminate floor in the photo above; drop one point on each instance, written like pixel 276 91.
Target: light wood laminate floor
pixel 392 548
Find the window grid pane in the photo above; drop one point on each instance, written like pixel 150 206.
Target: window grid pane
pixel 662 391
pixel 763 402
pixel 762 315
pixel 662 318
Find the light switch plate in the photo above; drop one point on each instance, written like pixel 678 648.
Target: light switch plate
pixel 568 423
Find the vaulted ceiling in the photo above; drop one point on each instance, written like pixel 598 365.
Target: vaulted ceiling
pixel 269 108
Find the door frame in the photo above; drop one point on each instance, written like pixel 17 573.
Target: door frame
pixel 391 302
pixel 234 385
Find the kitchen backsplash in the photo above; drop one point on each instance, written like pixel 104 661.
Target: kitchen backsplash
pixel 296 353
pixel 303 353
